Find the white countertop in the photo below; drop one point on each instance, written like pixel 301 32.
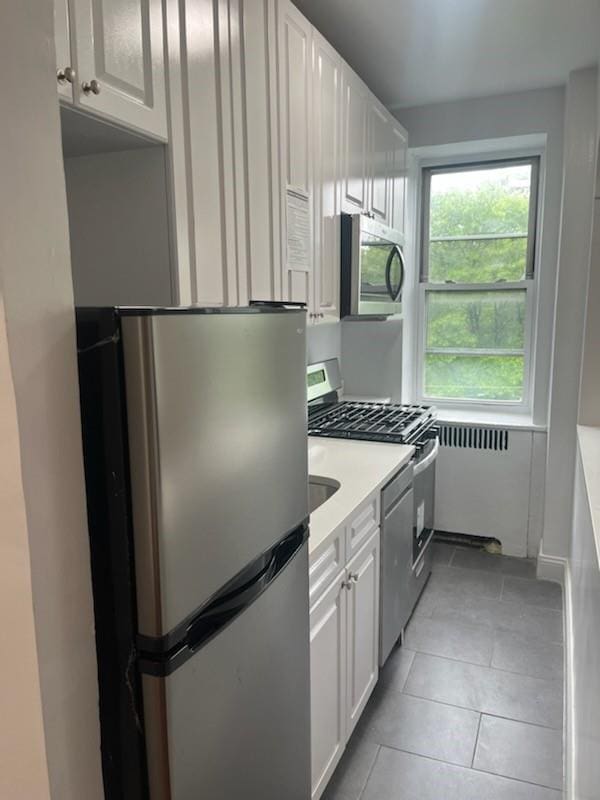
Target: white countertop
pixel 360 467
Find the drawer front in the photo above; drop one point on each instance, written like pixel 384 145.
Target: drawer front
pixel 362 525
pixel 325 563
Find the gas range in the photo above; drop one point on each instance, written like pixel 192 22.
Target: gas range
pixel 330 416
pixel 374 422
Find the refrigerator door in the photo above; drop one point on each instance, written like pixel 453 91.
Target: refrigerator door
pixel 232 723
pixel 216 407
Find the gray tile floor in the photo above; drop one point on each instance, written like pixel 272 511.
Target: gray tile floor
pixel 471 706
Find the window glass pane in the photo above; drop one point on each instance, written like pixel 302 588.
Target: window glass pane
pixel 491 320
pixel 478 260
pixel 474 377
pixel 479 224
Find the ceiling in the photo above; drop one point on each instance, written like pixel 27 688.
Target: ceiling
pixel 414 52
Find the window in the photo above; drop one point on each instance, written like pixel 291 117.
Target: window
pixel 477 264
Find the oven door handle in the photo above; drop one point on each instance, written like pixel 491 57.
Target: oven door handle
pixel 421 466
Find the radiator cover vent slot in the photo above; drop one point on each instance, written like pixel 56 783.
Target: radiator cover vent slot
pixel 474 437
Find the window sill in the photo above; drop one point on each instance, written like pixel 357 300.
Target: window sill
pixel 494 419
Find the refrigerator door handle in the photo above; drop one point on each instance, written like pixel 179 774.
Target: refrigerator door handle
pixel 234 598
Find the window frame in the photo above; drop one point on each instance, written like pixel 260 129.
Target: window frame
pixel 529 283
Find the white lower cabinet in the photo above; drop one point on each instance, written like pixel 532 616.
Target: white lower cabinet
pixel 328 682
pixel 363 629
pixel 344 641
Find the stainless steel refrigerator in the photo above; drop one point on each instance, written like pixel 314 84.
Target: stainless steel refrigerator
pixel 194 430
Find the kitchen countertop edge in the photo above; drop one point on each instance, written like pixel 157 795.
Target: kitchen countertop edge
pixel 361 468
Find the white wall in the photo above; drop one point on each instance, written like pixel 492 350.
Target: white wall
pixel 589 397
pixel 491 119
pixel 119 228
pixel 35 281
pixel 583 646
pixel 24 772
pixel 372 358
pixel 574 259
pixel 323 342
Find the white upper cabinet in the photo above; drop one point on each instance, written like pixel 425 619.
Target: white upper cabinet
pixel 355 104
pixel 380 162
pixel 327 129
pixel 261 205
pixel 399 176
pixel 117 51
pixel 206 152
pixel 66 72
pixel 294 72
pixel 363 629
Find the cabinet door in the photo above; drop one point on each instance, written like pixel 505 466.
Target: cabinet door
pixel 355 104
pixel 327 105
pixel 327 683
pixel 380 162
pixel 363 629
pixel 260 211
pixel 399 177
pixel 294 81
pixel 119 44
pixel 64 61
pixel 210 157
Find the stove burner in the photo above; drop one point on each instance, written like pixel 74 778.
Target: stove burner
pixel 377 422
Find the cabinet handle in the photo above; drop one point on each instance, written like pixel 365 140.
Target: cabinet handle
pixel 66 75
pixel 353 576
pixel 347 585
pixel 91 87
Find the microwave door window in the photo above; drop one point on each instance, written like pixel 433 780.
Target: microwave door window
pixel 373 262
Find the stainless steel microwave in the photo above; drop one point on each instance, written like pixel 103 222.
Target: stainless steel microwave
pixel 372 269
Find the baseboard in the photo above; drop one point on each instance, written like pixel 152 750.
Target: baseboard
pixel 551 568
pixel 569 711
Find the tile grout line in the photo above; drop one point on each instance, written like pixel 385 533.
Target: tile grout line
pixel 362 791
pixel 487 713
pixel 485 666
pixel 460 766
pixel 476 739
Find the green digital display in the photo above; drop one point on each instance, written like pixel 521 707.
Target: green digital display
pixel 315 377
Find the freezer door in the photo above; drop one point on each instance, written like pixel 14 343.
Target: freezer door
pixel 216 407
pixel 233 722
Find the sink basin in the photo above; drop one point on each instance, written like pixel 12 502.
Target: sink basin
pixel 319 490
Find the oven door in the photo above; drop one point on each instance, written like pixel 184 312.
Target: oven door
pixel 373 268
pixel 424 489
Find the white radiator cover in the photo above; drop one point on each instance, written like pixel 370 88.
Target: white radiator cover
pixel 491 484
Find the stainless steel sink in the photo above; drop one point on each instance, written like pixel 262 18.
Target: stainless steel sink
pixel 319 490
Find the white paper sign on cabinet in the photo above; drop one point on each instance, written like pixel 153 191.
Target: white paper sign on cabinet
pixel 298 230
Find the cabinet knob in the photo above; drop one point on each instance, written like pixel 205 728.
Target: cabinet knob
pixel 91 87
pixel 66 75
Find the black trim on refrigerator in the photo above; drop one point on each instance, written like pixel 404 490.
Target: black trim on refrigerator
pixel 106 464
pixel 159 657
